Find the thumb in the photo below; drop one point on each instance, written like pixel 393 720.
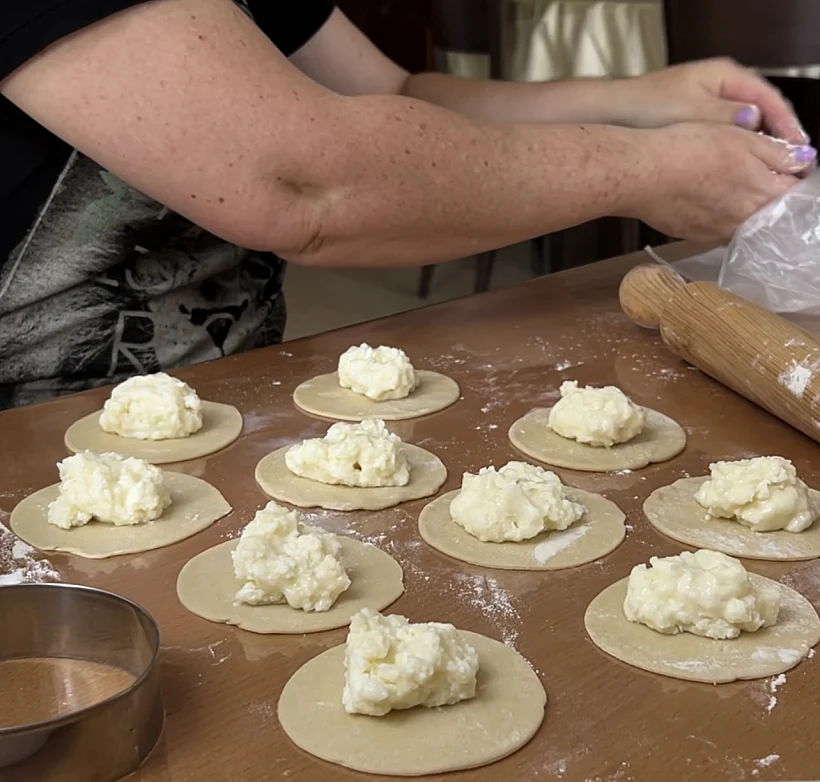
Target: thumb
pixel 728 112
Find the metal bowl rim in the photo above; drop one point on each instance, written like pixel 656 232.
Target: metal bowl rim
pixel 76 716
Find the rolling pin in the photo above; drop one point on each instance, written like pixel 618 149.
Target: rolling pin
pixel 762 356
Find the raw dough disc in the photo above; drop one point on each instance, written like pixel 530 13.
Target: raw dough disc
pixel 221 425
pixel 599 532
pixel 768 652
pixel 324 396
pixel 661 439
pixel 427 475
pixel 195 505
pixel 505 714
pixel 674 511
pixel 206 587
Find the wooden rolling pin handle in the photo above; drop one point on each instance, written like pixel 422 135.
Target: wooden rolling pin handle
pixel 762 356
pixel 646 290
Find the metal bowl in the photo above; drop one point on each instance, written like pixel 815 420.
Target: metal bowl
pixel 58 625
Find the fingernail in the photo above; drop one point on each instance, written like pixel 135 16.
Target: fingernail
pixel 805 136
pixel 804 154
pixel 748 117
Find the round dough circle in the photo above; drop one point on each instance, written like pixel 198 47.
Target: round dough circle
pixel 768 652
pixel 195 505
pixel 661 439
pixel 427 475
pixel 505 714
pixel 674 511
pixel 206 587
pixel 323 396
pixel 221 425
pixel 599 532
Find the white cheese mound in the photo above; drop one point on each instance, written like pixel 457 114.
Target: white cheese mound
pixel 363 455
pixel 706 593
pixel 280 561
pixel 600 417
pixel 109 488
pixel 515 503
pixel 152 407
pixel 392 664
pixel 378 373
pixel 763 494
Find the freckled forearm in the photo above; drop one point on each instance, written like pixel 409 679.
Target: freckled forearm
pixel 413 184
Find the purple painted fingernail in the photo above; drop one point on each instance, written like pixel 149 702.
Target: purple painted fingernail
pixel 748 117
pixel 804 154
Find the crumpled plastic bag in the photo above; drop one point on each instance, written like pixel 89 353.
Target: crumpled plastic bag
pixel 774 258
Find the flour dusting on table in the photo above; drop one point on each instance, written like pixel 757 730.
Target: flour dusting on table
pixel 18 564
pixel 805 579
pixel 777 681
pixel 487 595
pixel 265 709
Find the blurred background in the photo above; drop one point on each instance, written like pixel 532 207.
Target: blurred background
pixel 538 40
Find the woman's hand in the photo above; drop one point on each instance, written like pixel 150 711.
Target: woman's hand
pixel 718 91
pixel 702 181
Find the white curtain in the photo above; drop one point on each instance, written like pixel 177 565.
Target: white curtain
pixel 558 39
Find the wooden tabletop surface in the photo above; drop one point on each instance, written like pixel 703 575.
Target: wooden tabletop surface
pixel 509 350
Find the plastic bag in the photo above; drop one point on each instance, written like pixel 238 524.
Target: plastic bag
pixel 774 258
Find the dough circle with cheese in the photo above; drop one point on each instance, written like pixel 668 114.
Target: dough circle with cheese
pixel 674 511
pixel 206 586
pixel 597 533
pixel 221 425
pixel 661 439
pixel 503 716
pixel 427 475
pixel 324 397
pixel 767 652
pixel 195 505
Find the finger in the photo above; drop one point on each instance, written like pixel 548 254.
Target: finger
pixel 781 184
pixel 744 115
pixel 777 116
pixel 729 112
pixel 769 187
pixel 808 171
pixel 781 157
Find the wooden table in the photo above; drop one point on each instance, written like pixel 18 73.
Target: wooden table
pixel 509 350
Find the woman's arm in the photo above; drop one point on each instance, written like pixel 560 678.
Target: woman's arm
pixel 343 59
pixel 189 102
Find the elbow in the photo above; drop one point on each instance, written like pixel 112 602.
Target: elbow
pixel 305 209
pixel 291 222
pixel 302 236
pixel 308 248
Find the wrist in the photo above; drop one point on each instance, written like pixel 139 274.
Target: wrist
pixel 635 162
pixel 628 103
pixel 623 102
pixel 602 100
